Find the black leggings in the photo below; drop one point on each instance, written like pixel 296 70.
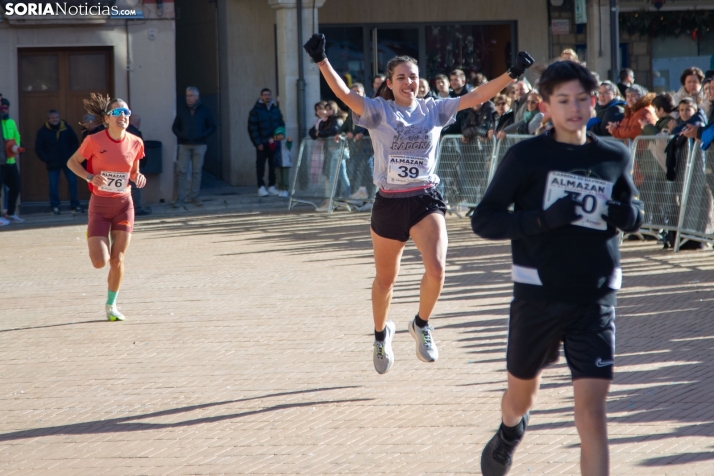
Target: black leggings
pixel 10 176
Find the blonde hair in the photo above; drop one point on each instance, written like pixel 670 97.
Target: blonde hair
pixel 569 54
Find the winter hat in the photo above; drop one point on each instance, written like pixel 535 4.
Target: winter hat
pixel 279 130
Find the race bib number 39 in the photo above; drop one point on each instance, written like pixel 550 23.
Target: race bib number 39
pixel 591 193
pixel 404 169
pixel 116 182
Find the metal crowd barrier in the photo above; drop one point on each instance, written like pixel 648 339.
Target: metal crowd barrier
pixel 315 178
pixel 695 219
pixel 662 198
pixel 331 172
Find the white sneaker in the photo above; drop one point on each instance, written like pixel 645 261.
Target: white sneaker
pixel 360 194
pixel 273 191
pixel 383 356
pixel 4 222
pixel 113 313
pixel 285 194
pixel 262 192
pixel 16 219
pixel 324 207
pixel 366 207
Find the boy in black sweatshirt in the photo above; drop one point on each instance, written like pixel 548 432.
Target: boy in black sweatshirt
pixel 571 193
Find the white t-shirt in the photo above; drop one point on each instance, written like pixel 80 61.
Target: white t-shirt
pixel 405 139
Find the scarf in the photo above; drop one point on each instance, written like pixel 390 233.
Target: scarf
pixel 59 128
pixel 528 115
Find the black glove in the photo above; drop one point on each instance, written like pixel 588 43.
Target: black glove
pixel 559 214
pixel 522 63
pixel 315 47
pixel 624 214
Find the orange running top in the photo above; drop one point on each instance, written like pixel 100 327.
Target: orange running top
pixel 113 159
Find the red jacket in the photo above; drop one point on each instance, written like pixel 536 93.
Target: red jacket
pixel 630 126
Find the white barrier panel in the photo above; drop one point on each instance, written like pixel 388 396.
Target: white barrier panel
pixel 354 183
pixel 319 161
pixel 463 169
pixel 662 198
pixel 696 222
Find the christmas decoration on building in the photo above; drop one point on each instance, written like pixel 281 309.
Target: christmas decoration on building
pixel 693 23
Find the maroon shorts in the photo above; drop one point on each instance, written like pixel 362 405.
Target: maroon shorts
pixel 110 213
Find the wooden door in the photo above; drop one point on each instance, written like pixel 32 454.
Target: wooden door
pixel 56 78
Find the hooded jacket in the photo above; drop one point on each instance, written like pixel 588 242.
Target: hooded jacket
pixel 262 122
pixel 613 111
pixel 54 145
pixel 630 126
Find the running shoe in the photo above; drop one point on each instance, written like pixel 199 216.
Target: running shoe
pixel 383 354
pixel 497 456
pixel 262 192
pixel 4 222
pixel 113 313
pixel 273 191
pixel 426 350
pixel 15 219
pixel 366 207
pixel 360 194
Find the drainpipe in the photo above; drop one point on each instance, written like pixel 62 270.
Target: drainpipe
pixel 302 132
pixel 614 41
pixel 128 63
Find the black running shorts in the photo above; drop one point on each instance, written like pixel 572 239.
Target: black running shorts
pixel 536 329
pixel 393 217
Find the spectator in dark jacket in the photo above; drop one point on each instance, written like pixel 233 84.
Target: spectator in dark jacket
pixel 457 80
pixel 478 122
pixel 504 116
pixel 193 126
pixel 54 145
pixel 610 108
pixel 627 79
pixel 264 118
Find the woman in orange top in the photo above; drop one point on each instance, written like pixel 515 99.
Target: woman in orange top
pixel 112 160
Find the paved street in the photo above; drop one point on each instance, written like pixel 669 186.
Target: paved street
pixel 247 350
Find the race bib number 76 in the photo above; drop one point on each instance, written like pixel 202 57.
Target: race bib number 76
pixel 591 193
pixel 116 181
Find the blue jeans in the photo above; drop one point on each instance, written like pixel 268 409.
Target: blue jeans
pixel 54 187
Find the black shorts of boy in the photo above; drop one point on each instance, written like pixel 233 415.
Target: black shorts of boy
pixel 536 329
pixel 392 218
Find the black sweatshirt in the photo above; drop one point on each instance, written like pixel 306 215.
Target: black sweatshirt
pixel 572 264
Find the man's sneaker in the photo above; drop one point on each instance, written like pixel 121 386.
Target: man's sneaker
pixel 426 350
pixel 197 201
pixel 262 192
pixel 273 191
pixel 113 313
pixel 56 211
pixel 360 194
pixel 383 353
pixel 497 456
pixel 4 222
pixel 78 210
pixel 178 203
pixel 366 207
pixel 15 219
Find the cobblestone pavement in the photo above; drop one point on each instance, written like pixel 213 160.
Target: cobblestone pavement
pixel 247 350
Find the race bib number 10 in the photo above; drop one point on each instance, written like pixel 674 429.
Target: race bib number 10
pixel 404 169
pixel 116 182
pixel 591 193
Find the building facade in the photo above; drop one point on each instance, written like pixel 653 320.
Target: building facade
pixel 56 61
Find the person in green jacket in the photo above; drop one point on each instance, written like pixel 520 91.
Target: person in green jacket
pixel 9 173
pixel 664 106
